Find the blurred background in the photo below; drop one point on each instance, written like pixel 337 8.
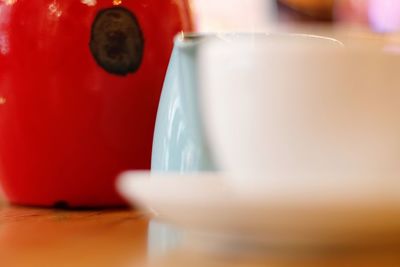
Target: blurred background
pixel 380 16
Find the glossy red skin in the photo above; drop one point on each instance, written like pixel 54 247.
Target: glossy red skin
pixel 67 127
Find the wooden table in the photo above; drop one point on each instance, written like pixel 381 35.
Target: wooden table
pixel 41 237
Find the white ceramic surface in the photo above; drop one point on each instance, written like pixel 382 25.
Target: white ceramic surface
pixel 205 203
pixel 299 110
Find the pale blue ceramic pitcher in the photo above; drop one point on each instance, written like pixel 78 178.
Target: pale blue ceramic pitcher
pixel 179 144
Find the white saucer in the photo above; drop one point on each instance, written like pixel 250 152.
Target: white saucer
pixel 205 203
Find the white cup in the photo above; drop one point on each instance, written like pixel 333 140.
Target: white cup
pixel 290 111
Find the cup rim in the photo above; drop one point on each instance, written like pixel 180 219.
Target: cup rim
pixel 195 37
pixel 351 41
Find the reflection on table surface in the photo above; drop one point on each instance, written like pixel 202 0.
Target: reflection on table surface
pixel 41 237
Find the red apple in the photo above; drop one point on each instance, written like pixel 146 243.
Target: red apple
pixel 80 82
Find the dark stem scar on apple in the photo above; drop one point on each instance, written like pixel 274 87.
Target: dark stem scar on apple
pixel 116 41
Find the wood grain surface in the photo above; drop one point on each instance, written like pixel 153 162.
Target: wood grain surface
pixel 118 238
pixel 40 237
